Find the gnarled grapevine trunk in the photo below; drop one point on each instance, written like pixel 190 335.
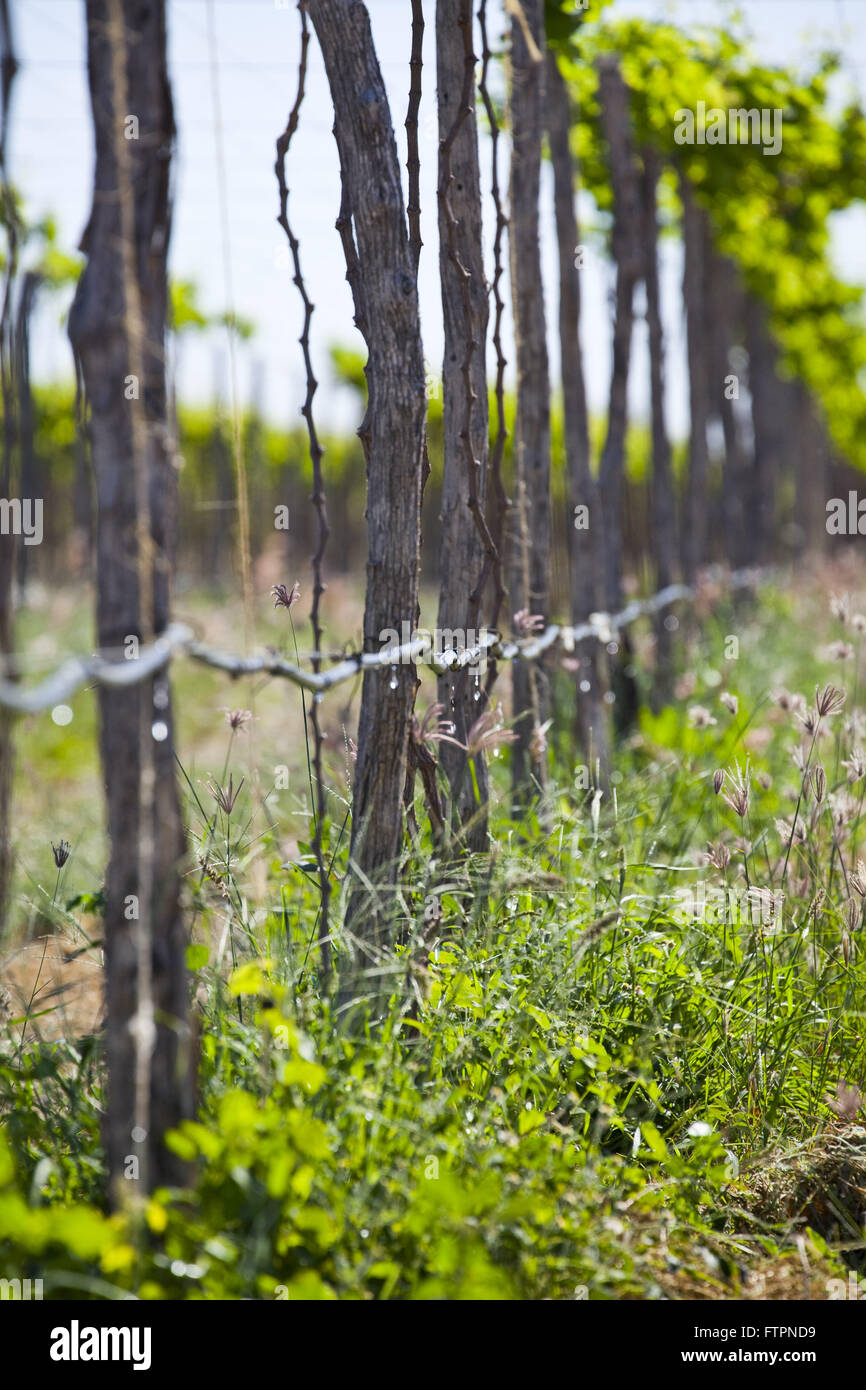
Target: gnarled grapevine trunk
pixel 694 527
pixel 628 258
pixel 628 261
pixel 117 330
pixel 8 447
pixel 31 481
pixel 812 466
pixel 529 563
pixel 381 273
pixel 663 521
pixel 585 543
pixel 462 557
pixel 725 304
pixel 767 392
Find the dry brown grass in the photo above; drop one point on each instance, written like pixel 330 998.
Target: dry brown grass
pixel 820 1184
pixel 64 982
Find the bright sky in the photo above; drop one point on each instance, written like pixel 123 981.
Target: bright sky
pixel 256 44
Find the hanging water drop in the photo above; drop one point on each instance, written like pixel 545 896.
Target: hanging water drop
pixel 392 684
pixel 477 692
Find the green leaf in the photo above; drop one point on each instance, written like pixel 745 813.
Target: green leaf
pixel 528 1120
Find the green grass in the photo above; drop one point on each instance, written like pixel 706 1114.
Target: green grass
pixel 570 1083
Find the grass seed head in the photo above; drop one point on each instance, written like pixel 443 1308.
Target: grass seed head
pixel 829 700
pixel 286 598
pixel 738 796
pixel 61 852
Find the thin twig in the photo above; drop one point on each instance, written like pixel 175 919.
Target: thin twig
pixel 497 494
pixel 413 161
pixel 318 494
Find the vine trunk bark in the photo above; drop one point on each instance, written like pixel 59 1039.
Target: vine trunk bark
pixel 628 258
pixel 694 529
pixel 663 519
pixel 767 392
pixel 725 303
pixel 529 561
pixel 8 454
pixel 381 273
pixel 151 1020
pixel 462 556
pixel 586 522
